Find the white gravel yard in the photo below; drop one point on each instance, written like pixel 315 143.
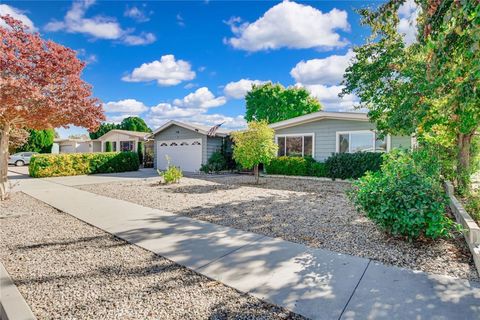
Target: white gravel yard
pixel 67 269
pixel 315 213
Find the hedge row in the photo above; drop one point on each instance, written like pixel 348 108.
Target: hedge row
pixel 296 166
pixel 70 164
pixel 338 166
pixel 353 165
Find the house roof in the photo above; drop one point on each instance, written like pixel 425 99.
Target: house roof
pixel 320 115
pixel 127 132
pixel 191 126
pixel 59 140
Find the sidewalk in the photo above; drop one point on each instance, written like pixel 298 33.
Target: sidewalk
pixel 316 283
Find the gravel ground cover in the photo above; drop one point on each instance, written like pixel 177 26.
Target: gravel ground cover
pixel 67 269
pixel 315 213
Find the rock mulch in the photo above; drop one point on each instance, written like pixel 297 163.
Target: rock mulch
pixel 315 213
pixel 67 269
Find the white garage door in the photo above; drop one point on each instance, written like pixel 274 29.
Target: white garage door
pixel 67 149
pixel 185 153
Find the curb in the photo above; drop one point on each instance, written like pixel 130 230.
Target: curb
pixel 472 230
pixel 304 178
pixel 12 304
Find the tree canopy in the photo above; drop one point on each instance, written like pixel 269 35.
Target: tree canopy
pixel 134 124
pixel 273 103
pixel 254 146
pixel 41 88
pixel 130 124
pixel 39 141
pixel 428 88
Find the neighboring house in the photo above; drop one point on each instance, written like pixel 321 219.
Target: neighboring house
pixel 121 140
pixel 320 134
pixel 72 146
pixel 187 145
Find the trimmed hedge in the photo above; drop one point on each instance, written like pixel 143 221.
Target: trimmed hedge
pixel 296 166
pixel 338 166
pixel 70 164
pixel 352 165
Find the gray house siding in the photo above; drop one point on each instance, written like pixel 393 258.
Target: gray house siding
pixel 325 134
pixel 176 132
pixel 213 144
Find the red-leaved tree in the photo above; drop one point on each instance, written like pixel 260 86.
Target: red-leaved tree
pixel 40 88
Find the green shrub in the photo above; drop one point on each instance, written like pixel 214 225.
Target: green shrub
pixel 472 205
pixel 171 175
pixel 108 146
pixel 296 166
pixel 140 151
pixel 406 197
pixel 70 164
pixel 292 166
pixel 352 165
pixel 216 163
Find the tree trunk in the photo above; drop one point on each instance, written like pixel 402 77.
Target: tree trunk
pixel 463 163
pixel 256 173
pixel 4 137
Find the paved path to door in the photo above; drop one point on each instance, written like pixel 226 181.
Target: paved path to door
pixel 316 283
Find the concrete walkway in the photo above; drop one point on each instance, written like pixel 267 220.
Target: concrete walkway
pixel 316 283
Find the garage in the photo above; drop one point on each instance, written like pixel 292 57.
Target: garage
pixel 188 145
pixel 183 153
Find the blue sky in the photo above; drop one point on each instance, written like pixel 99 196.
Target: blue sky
pixel 194 60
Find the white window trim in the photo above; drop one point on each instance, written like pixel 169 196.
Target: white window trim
pixel 311 134
pixel 373 132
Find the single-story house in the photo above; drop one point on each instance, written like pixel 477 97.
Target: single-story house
pixel 186 145
pixel 72 146
pixel 318 134
pixel 121 140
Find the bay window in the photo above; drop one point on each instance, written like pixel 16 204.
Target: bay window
pixel 361 141
pixel 295 145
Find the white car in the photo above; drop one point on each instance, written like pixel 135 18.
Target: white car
pixel 21 158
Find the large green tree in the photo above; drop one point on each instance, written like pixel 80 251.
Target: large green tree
pixel 39 141
pixel 134 124
pixel 428 88
pixel 102 129
pixel 273 103
pixel 130 124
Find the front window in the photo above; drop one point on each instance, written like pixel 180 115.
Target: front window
pixel 295 145
pixel 126 145
pixel 360 141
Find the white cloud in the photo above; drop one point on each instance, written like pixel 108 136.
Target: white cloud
pixel 16 14
pixel 156 120
pixel 292 25
pixel 201 98
pixel 137 14
pixel 167 71
pixel 180 20
pixel 238 89
pixel 327 71
pixel 328 97
pixel 141 39
pixel 98 27
pixel 408 14
pixel 117 118
pixel 163 112
pixel 130 106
